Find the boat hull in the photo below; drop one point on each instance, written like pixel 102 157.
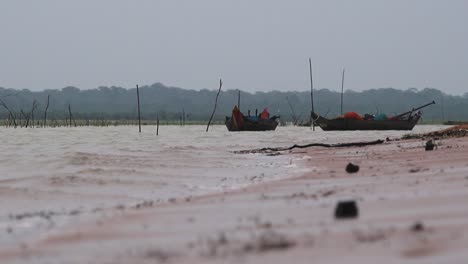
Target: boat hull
pixel 351 124
pixel 260 125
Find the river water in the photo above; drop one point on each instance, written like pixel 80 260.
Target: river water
pixel 88 169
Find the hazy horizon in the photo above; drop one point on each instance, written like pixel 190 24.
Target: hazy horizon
pixel 252 46
pixel 232 89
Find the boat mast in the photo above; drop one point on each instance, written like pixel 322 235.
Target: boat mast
pixel 342 85
pixel 311 95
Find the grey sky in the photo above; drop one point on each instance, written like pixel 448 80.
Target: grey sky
pixel 253 45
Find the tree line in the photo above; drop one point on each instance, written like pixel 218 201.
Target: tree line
pixel 172 103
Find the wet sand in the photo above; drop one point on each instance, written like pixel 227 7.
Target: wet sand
pixel 412 208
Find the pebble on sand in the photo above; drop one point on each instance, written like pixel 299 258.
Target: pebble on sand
pixel 346 210
pixel 352 168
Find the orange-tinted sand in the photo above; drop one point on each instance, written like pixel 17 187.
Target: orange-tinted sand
pixel 399 185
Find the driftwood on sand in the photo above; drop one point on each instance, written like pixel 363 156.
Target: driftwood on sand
pixel 339 145
pixel 456 131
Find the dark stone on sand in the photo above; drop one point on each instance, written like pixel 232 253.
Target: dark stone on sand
pixel 417 227
pixel 346 210
pixel 352 168
pixel 429 145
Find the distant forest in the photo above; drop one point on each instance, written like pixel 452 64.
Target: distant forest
pixel 115 103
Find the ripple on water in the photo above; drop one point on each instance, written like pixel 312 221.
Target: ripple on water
pixel 110 162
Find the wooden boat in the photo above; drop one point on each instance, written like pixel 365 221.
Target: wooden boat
pixel 405 121
pixel 240 122
pixel 251 124
pixel 351 124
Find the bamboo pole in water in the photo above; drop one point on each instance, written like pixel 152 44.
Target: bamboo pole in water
pixel 157 125
pixel 69 114
pixel 311 95
pixel 34 106
pixel 216 104
pixel 13 117
pixel 45 111
pixel 20 120
pixel 138 102
pixel 26 118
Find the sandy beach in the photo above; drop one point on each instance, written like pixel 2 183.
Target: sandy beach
pixel 412 208
pixel 237 132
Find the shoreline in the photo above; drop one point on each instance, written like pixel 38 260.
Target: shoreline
pixel 398 186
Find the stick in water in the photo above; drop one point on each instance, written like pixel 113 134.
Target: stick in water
pixel 216 104
pixel 311 95
pixel 13 117
pixel 34 106
pixel 69 111
pixel 157 125
pixel 45 111
pixel 138 101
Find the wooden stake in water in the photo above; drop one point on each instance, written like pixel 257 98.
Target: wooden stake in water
pixel 34 106
pixel 69 111
pixel 311 95
pixel 138 102
pixel 45 111
pixel 26 118
pixel 216 104
pixel 157 125
pixel 13 117
pixel 71 116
